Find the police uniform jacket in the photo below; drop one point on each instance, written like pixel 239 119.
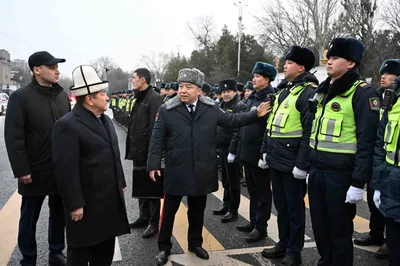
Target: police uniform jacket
pixel 366 117
pixel 224 134
pixel 251 137
pixel 286 153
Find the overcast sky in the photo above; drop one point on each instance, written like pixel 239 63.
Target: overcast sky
pixel 83 30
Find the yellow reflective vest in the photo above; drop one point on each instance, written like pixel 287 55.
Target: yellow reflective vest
pixel 391 136
pixel 334 127
pixel 285 120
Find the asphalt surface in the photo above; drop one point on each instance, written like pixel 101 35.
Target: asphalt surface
pixel 138 251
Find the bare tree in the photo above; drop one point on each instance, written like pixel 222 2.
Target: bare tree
pixel 203 31
pixel 302 22
pixel 391 15
pixel 103 65
pixel 324 17
pixel 156 63
pixel 284 27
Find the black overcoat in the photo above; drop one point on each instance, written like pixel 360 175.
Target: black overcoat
pixel 89 174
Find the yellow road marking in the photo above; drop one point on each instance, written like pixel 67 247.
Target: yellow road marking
pixel 9 220
pixel 181 225
pixel 361 225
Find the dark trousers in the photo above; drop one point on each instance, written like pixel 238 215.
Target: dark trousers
pixel 98 255
pixel 150 210
pixel 30 211
pixel 230 174
pixel 377 220
pixel 289 195
pixel 259 187
pixel 332 218
pixel 393 241
pixel 196 206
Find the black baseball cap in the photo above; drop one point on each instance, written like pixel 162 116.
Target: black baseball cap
pixel 43 58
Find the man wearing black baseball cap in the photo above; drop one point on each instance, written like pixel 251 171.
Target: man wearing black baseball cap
pixel 31 114
pixel 43 58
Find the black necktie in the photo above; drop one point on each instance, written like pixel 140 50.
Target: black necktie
pixel 191 107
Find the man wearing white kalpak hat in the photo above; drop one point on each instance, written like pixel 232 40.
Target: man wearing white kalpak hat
pixel 186 129
pixel 88 170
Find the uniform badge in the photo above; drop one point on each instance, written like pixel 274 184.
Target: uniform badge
pixel 253 108
pixel 226 86
pixel 286 104
pixel 374 103
pixel 335 107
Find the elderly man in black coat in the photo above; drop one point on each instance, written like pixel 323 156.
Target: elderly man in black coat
pixel 89 173
pixel 186 129
pixel 32 112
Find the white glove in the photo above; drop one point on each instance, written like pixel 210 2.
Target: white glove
pixel 377 198
pixel 263 163
pixel 354 195
pixel 299 174
pixel 307 178
pixel 231 157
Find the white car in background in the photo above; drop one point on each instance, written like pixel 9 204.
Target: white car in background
pixel 3 103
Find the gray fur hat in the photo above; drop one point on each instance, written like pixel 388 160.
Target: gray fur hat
pixel 193 76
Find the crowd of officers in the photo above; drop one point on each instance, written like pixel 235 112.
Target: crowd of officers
pixel 318 136
pixel 330 140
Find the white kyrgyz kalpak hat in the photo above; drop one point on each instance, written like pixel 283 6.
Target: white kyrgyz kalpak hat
pixel 86 81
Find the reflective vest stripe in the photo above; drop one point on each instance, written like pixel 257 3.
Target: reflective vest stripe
pixel 388 132
pixel 278 121
pixel 391 156
pixel 330 129
pixel 287 134
pixel 350 147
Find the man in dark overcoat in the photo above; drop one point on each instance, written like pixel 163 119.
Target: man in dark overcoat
pixel 89 173
pixel 186 130
pixel 145 106
pixel 31 114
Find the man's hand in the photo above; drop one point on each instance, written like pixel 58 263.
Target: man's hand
pixel 77 215
pixel 263 109
pixel 152 174
pixel 26 179
pixel 124 190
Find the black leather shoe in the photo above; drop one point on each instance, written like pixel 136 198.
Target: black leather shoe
pixel 200 252
pixel 221 211
pixel 150 231
pixel 162 257
pixel 229 217
pixel 139 223
pixel 58 260
pixel 245 228
pixel 382 252
pixel 275 252
pixel 369 241
pixel 255 236
pixel 290 261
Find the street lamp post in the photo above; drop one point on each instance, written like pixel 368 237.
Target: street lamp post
pixel 240 29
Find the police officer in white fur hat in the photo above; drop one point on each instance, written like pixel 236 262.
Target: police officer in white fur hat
pixel 88 170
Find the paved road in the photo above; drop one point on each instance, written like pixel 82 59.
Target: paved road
pixel 226 245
